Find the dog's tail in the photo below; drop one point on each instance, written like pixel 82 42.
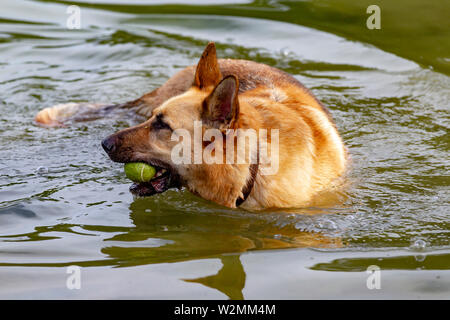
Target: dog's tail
pixel 63 114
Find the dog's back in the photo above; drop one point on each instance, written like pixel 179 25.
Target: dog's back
pixel 251 76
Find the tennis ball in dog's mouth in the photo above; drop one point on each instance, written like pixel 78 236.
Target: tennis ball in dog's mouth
pixel 139 171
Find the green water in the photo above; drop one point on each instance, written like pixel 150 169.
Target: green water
pixel 63 202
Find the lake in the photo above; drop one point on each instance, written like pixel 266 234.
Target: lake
pixel 64 203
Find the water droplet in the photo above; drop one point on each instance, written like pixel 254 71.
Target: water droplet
pixel 418 245
pixel 327 224
pixel 420 257
pixel 42 170
pixel 285 52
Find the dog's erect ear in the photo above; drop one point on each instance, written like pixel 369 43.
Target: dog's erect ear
pixel 208 72
pixel 221 107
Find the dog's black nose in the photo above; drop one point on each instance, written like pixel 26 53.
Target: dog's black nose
pixel 109 144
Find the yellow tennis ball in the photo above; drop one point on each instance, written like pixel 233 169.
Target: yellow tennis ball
pixel 139 171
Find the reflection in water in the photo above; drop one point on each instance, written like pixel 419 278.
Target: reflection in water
pixel 411 262
pixel 192 234
pixel 166 235
pixel 230 279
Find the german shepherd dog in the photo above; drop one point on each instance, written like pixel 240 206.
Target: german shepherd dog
pixel 227 95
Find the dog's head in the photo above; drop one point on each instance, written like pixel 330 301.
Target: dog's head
pixel 213 100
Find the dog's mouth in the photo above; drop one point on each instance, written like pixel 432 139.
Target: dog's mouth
pixel 164 179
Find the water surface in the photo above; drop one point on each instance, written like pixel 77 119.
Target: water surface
pixel 63 202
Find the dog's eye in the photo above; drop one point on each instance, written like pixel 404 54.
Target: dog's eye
pixel 159 124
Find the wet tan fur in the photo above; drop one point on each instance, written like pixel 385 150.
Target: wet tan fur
pixel 311 155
